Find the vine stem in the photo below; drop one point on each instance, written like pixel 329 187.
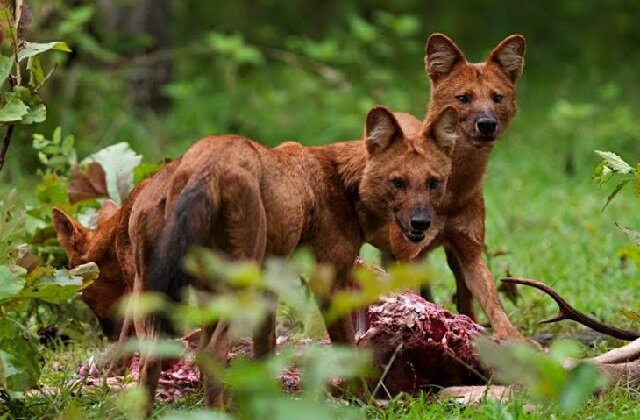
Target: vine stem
pixel 5 144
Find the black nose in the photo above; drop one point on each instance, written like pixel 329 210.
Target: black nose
pixel 486 126
pixel 420 222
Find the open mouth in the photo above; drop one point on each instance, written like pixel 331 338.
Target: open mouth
pixel 415 236
pixel 483 141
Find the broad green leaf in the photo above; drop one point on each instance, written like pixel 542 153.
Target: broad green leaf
pixel 373 284
pixel 13 110
pixel 615 162
pixel 56 137
pixel 49 292
pixel 31 49
pixel 12 222
pixel 561 350
pixel 36 73
pixel 118 162
pixel 159 348
pixel 66 146
pixel 6 64
pixel 133 402
pixel 20 356
pixel 12 281
pixel 321 364
pixel 582 382
pixel 36 114
pixel 138 306
pixel 543 375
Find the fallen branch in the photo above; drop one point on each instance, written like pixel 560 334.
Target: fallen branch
pixel 569 312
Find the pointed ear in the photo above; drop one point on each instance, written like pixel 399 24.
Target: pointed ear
pixel 444 129
pixel 381 130
pixel 509 56
pixel 70 232
pixel 441 55
pixel 108 209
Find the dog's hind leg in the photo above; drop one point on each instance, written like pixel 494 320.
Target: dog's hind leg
pixel 245 222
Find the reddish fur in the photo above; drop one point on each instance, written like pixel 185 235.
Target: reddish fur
pixel 339 187
pixel 109 246
pixel 463 212
pixel 250 201
pixel 82 246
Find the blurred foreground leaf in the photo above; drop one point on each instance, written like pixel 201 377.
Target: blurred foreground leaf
pixel 543 375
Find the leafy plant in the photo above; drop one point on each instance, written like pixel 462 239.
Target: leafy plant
pixel 21 104
pixel 242 298
pixel 22 280
pixel 611 167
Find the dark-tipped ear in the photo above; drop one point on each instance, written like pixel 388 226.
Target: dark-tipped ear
pixel 444 129
pixel 108 209
pixel 69 231
pixel 381 129
pixel 509 56
pixel 441 55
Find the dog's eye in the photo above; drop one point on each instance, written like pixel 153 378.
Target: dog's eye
pixel 463 99
pixel 497 98
pixel 433 183
pixel 398 183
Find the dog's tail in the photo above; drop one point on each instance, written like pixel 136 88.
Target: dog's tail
pixel 190 223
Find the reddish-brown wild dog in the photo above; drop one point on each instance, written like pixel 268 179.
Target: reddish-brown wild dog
pixel 237 196
pixel 484 96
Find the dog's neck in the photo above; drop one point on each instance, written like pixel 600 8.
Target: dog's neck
pixel 351 161
pixel 469 169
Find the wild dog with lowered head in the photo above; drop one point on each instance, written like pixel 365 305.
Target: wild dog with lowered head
pixel 484 96
pixel 109 246
pixel 237 196
pixel 83 245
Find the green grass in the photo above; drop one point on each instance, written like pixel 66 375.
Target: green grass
pixel 553 228
pixel 550 223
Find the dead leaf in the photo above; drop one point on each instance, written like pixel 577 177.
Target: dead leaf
pixel 89 185
pixel 24 20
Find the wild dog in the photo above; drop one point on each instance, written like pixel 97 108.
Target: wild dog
pixel 109 246
pixel 83 245
pixel 484 96
pixel 232 194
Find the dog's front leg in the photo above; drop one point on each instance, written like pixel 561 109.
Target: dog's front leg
pixel 464 297
pixel 480 282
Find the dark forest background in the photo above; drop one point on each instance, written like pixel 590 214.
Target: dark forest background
pixel 160 74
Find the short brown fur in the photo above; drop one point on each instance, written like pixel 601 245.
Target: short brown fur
pixel 110 247
pixel 239 197
pixel 485 98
